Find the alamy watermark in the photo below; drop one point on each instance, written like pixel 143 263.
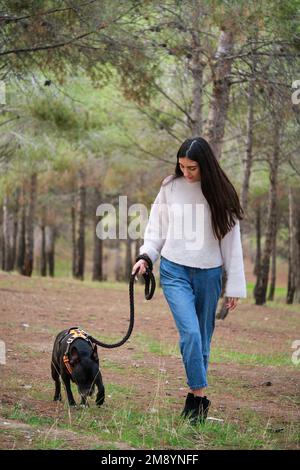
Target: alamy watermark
pixel 2 353
pixel 176 221
pixel 296 353
pixel 296 94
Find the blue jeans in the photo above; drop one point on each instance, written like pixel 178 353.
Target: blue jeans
pixel 192 295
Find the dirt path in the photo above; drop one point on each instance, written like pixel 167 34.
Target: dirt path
pixel 250 370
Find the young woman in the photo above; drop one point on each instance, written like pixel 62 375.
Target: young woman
pixel 194 226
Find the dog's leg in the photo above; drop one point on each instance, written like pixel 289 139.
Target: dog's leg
pixel 55 377
pixel 67 383
pixel 84 402
pixel 101 390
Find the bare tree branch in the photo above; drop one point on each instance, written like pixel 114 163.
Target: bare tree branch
pixel 10 19
pixel 65 43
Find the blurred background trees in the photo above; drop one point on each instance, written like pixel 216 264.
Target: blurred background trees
pixel 98 97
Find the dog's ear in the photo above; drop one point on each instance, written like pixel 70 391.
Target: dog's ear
pixel 94 354
pixel 74 357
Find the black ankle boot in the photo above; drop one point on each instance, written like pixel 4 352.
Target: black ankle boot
pixel 189 405
pixel 201 408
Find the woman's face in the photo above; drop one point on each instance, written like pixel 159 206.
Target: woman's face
pixel 190 169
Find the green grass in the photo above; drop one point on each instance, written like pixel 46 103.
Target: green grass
pixel 148 344
pixel 114 366
pixel 63 268
pixel 276 305
pixel 46 443
pixel 162 429
pixel 62 282
pixel 220 355
pixel 63 278
pixel 20 414
pixel 280 292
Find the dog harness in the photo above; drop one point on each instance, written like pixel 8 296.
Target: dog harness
pixel 74 333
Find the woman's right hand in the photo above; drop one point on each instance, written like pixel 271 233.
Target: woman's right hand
pixel 142 264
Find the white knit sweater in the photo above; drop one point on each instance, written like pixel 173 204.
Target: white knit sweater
pixel 180 229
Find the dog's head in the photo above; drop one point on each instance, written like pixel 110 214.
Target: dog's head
pixel 85 369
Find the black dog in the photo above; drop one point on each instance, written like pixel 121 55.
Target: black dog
pixel 75 358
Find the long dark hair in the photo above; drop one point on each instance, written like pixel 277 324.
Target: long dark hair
pixel 217 189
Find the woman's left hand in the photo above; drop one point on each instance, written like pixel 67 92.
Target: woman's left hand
pixel 231 302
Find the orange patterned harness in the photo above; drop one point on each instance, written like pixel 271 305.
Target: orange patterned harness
pixel 74 333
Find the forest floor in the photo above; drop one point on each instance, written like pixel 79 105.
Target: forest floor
pixel 254 386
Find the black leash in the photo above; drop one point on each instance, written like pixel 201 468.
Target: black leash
pixel 150 285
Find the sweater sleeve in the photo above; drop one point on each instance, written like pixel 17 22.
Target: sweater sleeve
pixel 232 253
pixel 156 228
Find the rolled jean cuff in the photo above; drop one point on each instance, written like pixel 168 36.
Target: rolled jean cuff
pixel 196 387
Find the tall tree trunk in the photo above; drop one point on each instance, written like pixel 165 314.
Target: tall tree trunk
pixel 293 291
pixel 258 241
pixel 1 242
pixel 10 210
pixel 249 147
pixel 21 232
pixel 15 228
pixel 119 271
pixel 43 250
pixel 50 249
pixel 296 261
pixel 80 233
pixel 29 238
pixel 291 281
pixel 128 259
pixel 273 266
pixel 215 128
pixel 105 265
pixel 7 234
pixel 98 243
pixel 222 309
pixel 138 244
pixel 196 67
pixel 291 255
pixel 262 280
